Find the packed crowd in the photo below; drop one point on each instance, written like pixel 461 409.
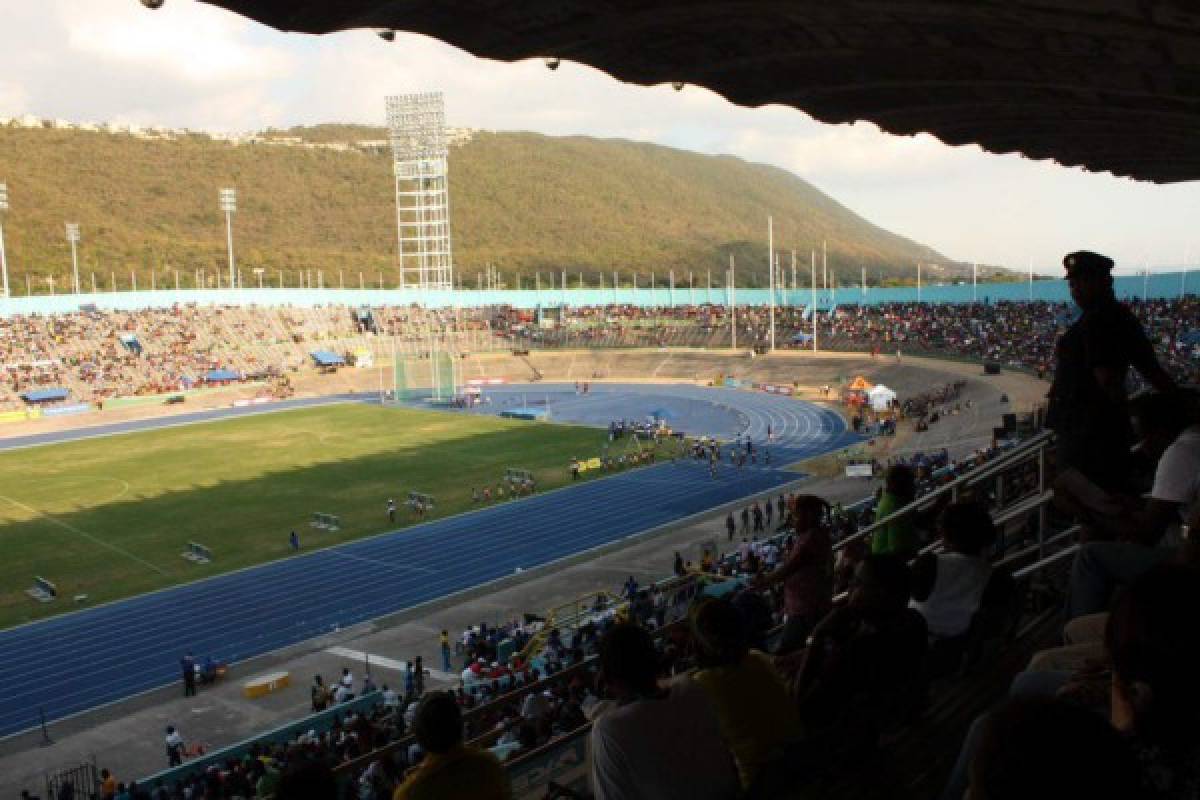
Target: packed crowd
pixel 101 354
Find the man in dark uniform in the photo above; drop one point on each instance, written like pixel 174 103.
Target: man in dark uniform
pixel 1088 399
pixel 187 665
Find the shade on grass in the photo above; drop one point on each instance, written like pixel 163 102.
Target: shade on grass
pixel 109 517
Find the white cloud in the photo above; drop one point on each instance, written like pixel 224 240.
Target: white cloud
pixel 192 41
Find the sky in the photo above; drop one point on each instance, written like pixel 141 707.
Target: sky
pixel 192 65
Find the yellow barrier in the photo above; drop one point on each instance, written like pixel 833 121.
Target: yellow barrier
pixel 593 463
pixel 19 416
pixel 265 684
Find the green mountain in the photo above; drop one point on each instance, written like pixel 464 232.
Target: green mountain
pixel 523 202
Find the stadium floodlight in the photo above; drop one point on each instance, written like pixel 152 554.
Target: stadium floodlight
pixel 73 238
pixel 3 259
pixel 227 199
pixel 420 159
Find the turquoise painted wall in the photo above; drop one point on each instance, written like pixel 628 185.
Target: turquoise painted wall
pixel 1167 284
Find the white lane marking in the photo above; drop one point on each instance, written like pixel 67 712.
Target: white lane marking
pixel 85 534
pixel 385 564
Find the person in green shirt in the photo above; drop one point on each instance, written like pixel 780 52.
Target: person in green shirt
pixel 898 536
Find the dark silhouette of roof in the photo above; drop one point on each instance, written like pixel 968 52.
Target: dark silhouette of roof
pixel 1110 85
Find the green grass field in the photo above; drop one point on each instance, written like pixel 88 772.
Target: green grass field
pixel 109 517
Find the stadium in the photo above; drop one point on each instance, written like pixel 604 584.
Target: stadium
pixel 427 530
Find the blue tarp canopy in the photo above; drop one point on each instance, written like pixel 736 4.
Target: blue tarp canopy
pixel 327 358
pixel 662 413
pixel 802 337
pixel 44 395
pixel 216 375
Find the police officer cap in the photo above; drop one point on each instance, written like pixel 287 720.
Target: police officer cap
pixel 1085 262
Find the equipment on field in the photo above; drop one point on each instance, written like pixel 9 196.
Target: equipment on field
pixel 326 522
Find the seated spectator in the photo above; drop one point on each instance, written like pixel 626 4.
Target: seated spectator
pixel 860 673
pixel 656 743
pixel 898 536
pixel 951 588
pixel 1153 646
pixel 1036 748
pixel 806 573
pixel 751 699
pixel 450 769
pixel 1150 534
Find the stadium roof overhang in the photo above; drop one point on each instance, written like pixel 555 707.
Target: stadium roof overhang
pixel 1110 85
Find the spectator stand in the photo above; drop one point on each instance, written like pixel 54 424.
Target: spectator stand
pixel 42 590
pixel 317 724
pixel 326 522
pixel 197 553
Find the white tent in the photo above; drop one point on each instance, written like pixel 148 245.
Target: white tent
pixel 881 397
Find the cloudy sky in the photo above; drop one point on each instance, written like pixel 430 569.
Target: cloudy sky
pixel 191 65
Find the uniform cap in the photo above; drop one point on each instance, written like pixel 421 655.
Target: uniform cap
pixel 1085 262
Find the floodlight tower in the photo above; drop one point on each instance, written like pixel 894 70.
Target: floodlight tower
pixel 417 129
pixel 3 259
pixel 73 238
pixel 227 199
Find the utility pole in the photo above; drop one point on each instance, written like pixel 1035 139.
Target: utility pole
pixel 732 303
pixel 228 203
pixel 771 283
pixel 813 286
pixel 73 238
pixel 3 259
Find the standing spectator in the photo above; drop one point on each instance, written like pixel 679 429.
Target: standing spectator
pixel 745 520
pixel 391 510
pixel 1088 397
pixel 897 536
pixel 174 743
pixel 445 643
pixel 678 567
pixel 730 525
pixel 758 517
pixel 656 743
pixel 449 769
pixel 806 573
pixel 419 676
pixel 410 681
pixel 319 694
pixel 294 541
pixel 108 785
pixel 347 679
pixel 187 665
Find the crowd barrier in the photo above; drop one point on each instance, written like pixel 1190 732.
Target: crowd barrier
pixel 66 411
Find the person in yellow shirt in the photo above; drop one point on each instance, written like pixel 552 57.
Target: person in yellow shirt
pixel 758 719
pixel 450 770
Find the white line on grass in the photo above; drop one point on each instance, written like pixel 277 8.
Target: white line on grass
pixel 85 534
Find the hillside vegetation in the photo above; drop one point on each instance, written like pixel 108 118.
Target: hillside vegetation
pixel 523 202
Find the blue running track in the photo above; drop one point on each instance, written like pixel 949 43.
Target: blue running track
pixel 79 661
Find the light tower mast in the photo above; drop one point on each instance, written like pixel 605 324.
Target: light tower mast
pixel 417 129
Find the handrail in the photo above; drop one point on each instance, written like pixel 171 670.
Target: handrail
pixel 1026 449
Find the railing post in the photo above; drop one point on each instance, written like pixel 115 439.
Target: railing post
pixel 1041 514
